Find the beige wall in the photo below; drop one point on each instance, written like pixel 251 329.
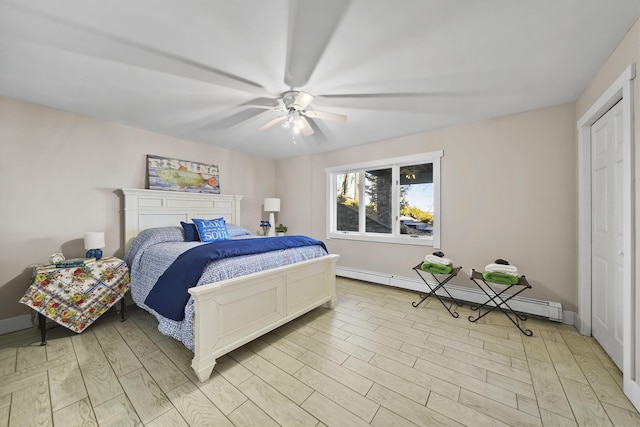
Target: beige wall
pixel 508 191
pixel 58 178
pixel 292 181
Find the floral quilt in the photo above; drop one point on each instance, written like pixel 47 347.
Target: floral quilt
pixel 75 297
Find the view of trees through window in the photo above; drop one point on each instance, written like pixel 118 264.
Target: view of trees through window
pixel 415 200
pixel 348 201
pixel 377 188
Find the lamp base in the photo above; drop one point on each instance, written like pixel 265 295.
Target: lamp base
pixel 94 253
pixel 272 221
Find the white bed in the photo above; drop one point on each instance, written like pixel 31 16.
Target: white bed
pixel 230 313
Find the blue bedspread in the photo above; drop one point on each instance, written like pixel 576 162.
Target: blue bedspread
pixel 171 292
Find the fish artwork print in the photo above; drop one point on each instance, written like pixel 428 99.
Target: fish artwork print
pixel 185 178
pixel 164 173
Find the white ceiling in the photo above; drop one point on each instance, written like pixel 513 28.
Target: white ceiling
pixel 190 68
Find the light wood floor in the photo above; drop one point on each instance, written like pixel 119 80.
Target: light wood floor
pixel 374 360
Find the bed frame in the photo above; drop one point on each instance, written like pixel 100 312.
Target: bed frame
pixel 230 313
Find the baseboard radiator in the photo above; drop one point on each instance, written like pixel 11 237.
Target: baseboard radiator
pixel 548 309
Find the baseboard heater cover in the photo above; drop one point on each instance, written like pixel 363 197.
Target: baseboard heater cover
pixel 549 309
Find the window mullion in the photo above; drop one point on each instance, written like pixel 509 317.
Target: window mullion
pixel 332 217
pixel 436 203
pixel 362 208
pixel 395 200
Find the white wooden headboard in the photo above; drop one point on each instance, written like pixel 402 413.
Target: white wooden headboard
pixel 155 208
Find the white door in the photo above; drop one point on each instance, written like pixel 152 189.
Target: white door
pixel 607 232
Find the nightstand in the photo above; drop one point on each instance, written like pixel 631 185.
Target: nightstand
pixel 75 297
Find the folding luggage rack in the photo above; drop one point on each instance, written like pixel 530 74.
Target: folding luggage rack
pixel 440 285
pixel 497 301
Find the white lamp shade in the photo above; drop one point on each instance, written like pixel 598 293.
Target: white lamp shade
pixel 271 205
pixel 94 240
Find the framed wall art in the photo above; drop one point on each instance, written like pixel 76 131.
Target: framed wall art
pixel 164 173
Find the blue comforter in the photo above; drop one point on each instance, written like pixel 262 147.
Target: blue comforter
pixel 170 293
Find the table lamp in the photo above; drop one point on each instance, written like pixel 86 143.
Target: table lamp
pixel 93 243
pixel 272 205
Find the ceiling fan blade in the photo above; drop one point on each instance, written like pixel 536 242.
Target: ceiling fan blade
pixel 302 100
pixel 81 38
pixel 318 135
pixel 265 104
pixel 325 116
pixel 272 122
pixel 311 27
pixel 389 95
pixel 235 119
pixel 306 128
pixel 390 101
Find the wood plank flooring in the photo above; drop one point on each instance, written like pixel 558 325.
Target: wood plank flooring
pixel 374 360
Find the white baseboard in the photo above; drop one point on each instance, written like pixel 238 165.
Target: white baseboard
pixel 549 309
pixel 18 323
pixel 569 318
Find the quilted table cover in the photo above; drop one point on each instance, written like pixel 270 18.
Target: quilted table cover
pixel 75 297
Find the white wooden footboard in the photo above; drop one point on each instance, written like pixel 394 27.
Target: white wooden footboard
pixel 230 313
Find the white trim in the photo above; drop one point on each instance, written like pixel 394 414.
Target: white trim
pixel 437 231
pixel 620 90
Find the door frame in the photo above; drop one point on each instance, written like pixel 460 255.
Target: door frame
pixel 620 90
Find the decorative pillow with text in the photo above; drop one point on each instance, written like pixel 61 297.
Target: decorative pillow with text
pixel 211 230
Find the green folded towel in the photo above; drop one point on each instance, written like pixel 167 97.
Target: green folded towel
pixel 500 278
pixel 431 267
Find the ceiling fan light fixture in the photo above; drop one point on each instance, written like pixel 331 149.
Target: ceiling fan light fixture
pixel 292 121
pixel 297 118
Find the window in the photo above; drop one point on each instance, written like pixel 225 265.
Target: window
pixel 393 200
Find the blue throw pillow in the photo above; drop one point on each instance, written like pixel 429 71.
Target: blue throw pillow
pixel 235 230
pixel 190 232
pixel 211 230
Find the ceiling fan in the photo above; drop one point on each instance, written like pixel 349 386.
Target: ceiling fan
pixel 294 104
pixel 311 27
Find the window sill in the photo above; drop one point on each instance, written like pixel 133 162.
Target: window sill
pixel 418 241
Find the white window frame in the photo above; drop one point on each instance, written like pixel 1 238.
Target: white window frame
pixel 395 236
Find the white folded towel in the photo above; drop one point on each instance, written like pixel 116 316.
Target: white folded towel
pixel 502 268
pixel 438 260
